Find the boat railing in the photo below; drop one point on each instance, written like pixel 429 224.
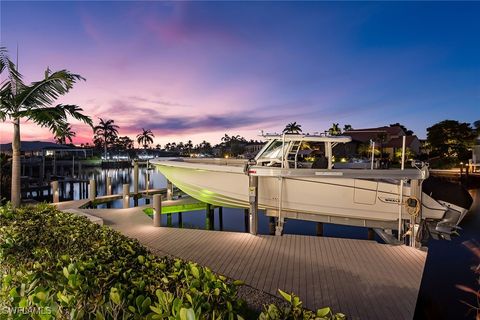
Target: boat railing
pixel 395 174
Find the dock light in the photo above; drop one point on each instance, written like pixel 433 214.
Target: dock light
pixel 343 160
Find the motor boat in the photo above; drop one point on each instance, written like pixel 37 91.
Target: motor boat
pixel 290 186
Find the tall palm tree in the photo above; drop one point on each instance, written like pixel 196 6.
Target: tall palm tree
pixel 33 102
pixel 106 131
pixel 293 127
pixel 226 138
pixel 65 133
pixel 145 138
pixel 335 130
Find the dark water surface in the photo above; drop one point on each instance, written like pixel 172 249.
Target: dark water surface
pixel 448 262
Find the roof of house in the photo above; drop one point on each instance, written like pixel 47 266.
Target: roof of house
pixel 365 135
pixel 31 146
pixel 397 142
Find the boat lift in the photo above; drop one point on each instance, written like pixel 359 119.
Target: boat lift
pixel 416 176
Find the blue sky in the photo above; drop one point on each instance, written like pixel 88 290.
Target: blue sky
pixel 197 70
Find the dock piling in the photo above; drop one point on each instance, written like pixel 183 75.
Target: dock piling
pixel 108 185
pixel 169 190
pixel 371 234
pixel 271 225
pixel 209 223
pixel 180 220
pixel 135 177
pixel 319 229
pixel 157 210
pixel 126 195
pixel 91 190
pixel 246 218
pixel 220 218
pixel 56 196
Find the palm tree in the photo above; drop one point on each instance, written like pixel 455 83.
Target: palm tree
pixel 226 139
pixel 33 102
pixel 145 138
pixel 65 133
pixel 335 130
pixel 293 127
pixel 105 132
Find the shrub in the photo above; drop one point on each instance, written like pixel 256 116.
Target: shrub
pixel 58 265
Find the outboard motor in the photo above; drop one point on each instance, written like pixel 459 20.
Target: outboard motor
pixel 455 197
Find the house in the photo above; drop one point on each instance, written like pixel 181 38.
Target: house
pixel 389 139
pixel 252 149
pixel 39 148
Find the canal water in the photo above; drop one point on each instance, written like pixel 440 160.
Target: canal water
pixel 233 219
pixel 448 263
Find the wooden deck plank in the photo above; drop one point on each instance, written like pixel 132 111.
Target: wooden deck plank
pixel 362 274
pixel 363 279
pixel 272 280
pixel 266 257
pixel 270 265
pixel 235 265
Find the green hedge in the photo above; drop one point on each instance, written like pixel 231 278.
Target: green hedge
pixel 57 265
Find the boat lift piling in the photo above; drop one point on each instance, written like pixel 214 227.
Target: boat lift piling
pixel 220 217
pixel 135 177
pixel 56 196
pixel 126 196
pixel 108 186
pixel 157 210
pixel 253 201
pixel 91 190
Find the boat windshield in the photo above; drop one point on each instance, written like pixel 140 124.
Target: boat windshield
pixel 273 153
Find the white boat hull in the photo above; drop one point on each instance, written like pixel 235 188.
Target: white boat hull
pixel 227 186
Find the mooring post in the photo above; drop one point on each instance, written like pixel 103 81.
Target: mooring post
pixel 157 210
pixel 108 185
pixel 220 218
pixel 147 181
pixel 371 234
pixel 135 177
pixel 212 217
pixel 180 220
pixel 208 217
pixel 169 190
pixel 253 200
pixel 271 225
pixel 319 229
pixel 91 190
pixel 246 218
pixel 56 196
pixel 126 195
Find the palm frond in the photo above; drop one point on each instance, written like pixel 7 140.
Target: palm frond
pixel 54 117
pixel 75 112
pixel 43 93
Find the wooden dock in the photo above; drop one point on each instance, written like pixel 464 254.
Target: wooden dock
pixel 363 279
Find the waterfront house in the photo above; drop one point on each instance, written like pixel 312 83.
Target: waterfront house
pixel 389 139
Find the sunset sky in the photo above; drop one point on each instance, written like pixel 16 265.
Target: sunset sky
pixel 199 70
